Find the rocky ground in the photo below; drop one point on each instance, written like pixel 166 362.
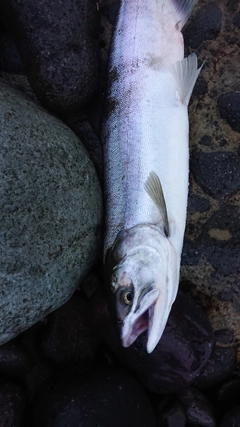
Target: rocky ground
pixel 61 362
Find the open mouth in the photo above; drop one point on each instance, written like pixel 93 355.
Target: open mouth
pixel 130 332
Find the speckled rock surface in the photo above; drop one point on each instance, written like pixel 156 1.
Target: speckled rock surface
pixel 229 107
pixel 212 245
pixel 204 25
pixel 49 216
pixel 57 44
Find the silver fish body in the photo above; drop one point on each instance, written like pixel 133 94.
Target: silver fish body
pixel 145 139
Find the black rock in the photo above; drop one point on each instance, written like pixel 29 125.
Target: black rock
pixel 172 416
pixel 68 337
pixel 36 376
pixel 218 173
pixel 223 142
pixel 12 404
pixel 229 107
pixel 232 6
pixel 110 10
pixel 231 418
pixel 15 359
pixel 221 364
pixel 200 87
pixel 91 142
pixel 9 57
pixel 224 336
pixel 236 20
pixel 179 357
pixel 205 25
pixel 229 391
pixel 197 204
pixel 190 253
pixel 220 240
pixel 37 371
pixel 197 408
pixel 102 398
pixel 206 140
pixel 57 44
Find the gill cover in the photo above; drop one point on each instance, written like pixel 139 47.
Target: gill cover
pixel 143 270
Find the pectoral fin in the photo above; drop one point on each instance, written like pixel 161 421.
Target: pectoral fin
pixel 183 9
pixel 185 73
pixel 154 189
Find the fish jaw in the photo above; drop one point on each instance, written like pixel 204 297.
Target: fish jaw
pixel 137 322
pixel 163 305
pixel 152 317
pixel 144 263
pixel 157 322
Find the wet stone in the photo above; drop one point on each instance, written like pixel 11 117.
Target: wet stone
pixel 236 20
pixel 224 336
pixel 102 398
pixel 9 57
pixel 221 364
pixel 190 253
pixel 200 87
pixel 229 391
pixel 58 48
pixel 197 204
pixel 229 107
pixel 232 6
pixel 50 213
pixel 205 25
pixel 173 416
pixel 231 418
pixel 110 10
pixel 220 241
pixel 68 337
pixel 91 142
pixel 12 404
pixel 223 142
pixel 197 408
pixel 15 359
pixel 180 355
pixel 218 173
pixel 206 140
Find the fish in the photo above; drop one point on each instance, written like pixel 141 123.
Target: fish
pixel 146 163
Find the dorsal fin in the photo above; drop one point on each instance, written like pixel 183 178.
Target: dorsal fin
pixel 154 189
pixel 185 73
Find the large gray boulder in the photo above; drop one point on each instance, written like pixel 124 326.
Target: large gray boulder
pixel 50 213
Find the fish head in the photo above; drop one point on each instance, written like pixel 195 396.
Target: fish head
pixel 143 293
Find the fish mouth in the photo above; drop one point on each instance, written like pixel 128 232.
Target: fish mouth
pixel 152 316
pixel 138 322
pixel 131 332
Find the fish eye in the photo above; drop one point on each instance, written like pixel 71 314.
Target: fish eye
pixel 128 297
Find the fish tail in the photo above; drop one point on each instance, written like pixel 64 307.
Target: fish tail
pixel 183 9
